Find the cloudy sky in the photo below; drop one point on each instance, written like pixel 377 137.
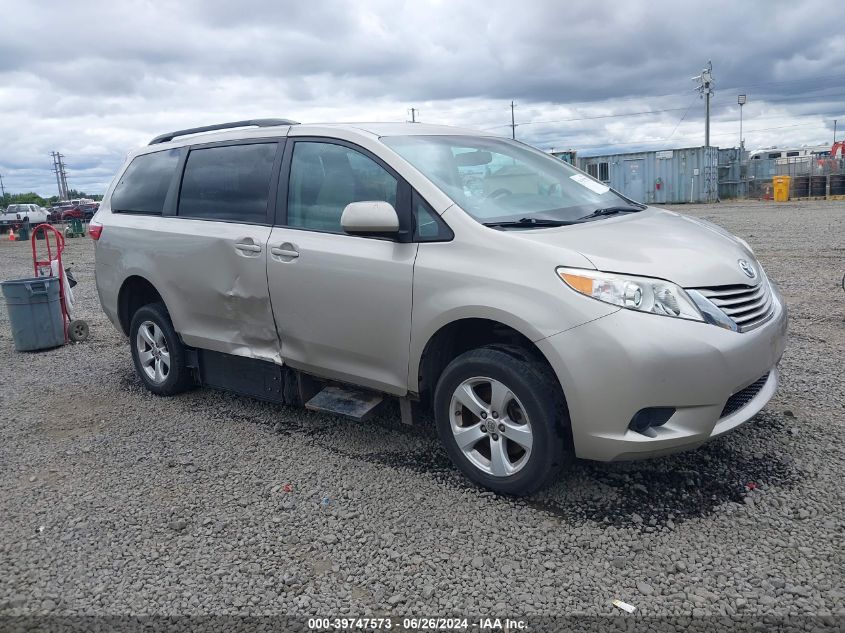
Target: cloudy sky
pixel 95 79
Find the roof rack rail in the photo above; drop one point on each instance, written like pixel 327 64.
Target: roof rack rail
pixel 169 136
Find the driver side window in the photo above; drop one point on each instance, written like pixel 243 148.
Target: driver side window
pixel 324 178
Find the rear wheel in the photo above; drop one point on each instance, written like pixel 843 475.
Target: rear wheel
pixel 157 352
pixel 502 419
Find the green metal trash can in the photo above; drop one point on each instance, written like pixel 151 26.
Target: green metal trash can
pixel 23 232
pixel 35 313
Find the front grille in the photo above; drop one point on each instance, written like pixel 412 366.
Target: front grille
pixel 748 306
pixel 744 396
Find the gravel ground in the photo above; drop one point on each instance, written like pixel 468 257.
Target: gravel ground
pixel 114 502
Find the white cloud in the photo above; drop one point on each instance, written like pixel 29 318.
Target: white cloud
pixel 128 71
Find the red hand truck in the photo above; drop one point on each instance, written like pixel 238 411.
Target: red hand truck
pixel 76 330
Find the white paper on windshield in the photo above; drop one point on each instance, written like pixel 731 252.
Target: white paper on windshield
pixel 590 184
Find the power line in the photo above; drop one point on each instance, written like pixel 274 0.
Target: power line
pixel 627 114
pixel 681 120
pixel 660 140
pixel 785 81
pixel 644 112
pixel 588 118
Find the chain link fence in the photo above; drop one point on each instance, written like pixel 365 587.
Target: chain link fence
pixel 811 176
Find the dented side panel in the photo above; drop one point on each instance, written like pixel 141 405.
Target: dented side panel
pixel 216 292
pixel 225 300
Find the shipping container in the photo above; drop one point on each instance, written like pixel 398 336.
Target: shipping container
pixel 669 176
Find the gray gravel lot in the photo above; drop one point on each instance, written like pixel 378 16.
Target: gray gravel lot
pixel 113 501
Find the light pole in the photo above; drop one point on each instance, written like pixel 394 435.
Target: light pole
pixel 741 100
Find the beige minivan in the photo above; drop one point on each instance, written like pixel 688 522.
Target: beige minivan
pixel 537 313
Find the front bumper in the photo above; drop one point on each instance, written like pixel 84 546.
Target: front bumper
pixel 614 366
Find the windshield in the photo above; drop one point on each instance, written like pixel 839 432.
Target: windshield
pixel 497 180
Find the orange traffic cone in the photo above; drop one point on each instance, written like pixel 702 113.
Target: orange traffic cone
pixel 12 237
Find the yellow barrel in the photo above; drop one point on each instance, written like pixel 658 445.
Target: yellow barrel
pixel 780 184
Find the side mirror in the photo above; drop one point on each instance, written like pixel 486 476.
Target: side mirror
pixel 370 218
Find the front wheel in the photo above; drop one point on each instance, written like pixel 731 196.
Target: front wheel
pixel 502 419
pixel 157 352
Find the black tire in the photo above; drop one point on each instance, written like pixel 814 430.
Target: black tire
pixel 539 393
pixel 179 377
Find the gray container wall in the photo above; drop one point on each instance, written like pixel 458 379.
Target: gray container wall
pixel 732 171
pixel 686 175
pixel 34 312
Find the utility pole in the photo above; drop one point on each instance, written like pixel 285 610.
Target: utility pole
pixel 834 131
pixel 705 89
pixel 64 176
pixel 2 188
pixel 741 100
pixel 413 112
pixel 513 123
pixel 58 177
pixel 61 176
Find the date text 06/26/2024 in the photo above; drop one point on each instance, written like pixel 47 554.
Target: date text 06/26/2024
pixel 483 624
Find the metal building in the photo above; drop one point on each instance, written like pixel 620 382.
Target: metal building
pixel 660 177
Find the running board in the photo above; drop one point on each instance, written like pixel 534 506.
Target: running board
pixel 352 403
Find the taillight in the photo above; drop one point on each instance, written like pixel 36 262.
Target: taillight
pixel 95 231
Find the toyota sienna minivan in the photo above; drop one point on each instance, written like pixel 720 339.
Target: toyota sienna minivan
pixel 534 312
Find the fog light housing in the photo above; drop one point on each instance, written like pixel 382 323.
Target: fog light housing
pixel 650 417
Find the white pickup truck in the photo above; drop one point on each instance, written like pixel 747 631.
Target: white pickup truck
pixel 16 214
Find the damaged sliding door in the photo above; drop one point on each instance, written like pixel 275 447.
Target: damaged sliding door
pixel 215 256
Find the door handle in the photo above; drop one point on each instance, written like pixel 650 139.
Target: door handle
pixel 248 248
pixel 290 252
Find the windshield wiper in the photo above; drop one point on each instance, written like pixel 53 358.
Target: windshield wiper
pixel 610 211
pixel 528 223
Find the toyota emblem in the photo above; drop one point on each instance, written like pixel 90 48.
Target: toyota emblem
pixel 747 268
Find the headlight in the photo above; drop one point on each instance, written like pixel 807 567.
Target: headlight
pixel 634 293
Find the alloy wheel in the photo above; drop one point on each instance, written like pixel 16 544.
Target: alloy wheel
pixel 153 353
pixel 490 426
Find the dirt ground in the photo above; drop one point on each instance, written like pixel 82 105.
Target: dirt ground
pixel 116 502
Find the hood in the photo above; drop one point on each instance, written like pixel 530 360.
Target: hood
pixel 656 243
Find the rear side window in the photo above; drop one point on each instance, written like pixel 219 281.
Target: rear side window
pixel 143 186
pixel 229 183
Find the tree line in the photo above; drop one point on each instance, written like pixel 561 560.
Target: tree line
pixel 33 198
